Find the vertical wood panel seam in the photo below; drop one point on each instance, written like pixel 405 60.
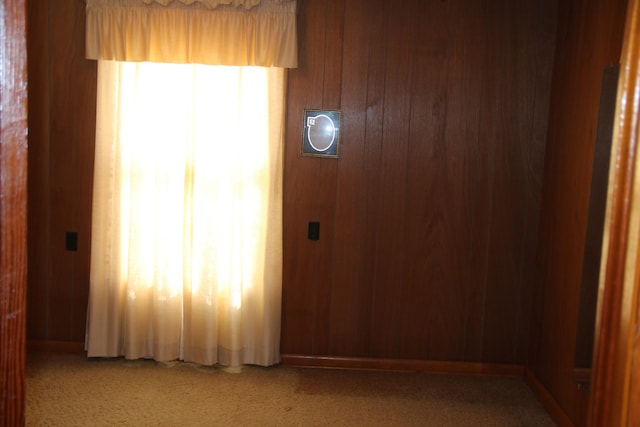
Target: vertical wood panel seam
pixel 376 216
pixel 324 50
pixel 540 292
pixel 492 172
pixel 336 191
pixel 74 190
pixel 401 273
pixel 497 148
pixel 47 210
pixel 532 133
pixel 385 28
pixel 316 282
pixel 358 273
pixel 520 259
pixel 523 225
pixel 364 169
pixel 429 352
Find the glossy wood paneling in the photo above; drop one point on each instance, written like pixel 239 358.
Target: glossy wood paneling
pixel 615 396
pixel 426 219
pixel 13 211
pixel 589 38
pixel 633 341
pixel 39 259
pixel 429 217
pixel 595 222
pixel 62 130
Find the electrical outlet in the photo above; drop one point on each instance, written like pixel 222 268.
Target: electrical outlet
pixel 71 241
pixel 313 231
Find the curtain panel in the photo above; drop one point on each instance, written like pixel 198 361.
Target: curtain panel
pixel 186 237
pixel 186 254
pixel 212 32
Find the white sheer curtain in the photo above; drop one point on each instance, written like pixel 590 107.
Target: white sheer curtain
pixel 186 258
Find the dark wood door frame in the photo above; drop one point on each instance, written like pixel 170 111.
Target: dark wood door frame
pixel 13 210
pixel 617 346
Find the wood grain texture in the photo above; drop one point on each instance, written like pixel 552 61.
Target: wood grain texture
pixel 516 185
pixel 427 216
pixel 589 37
pixel 346 296
pixel 62 132
pixel 428 120
pixel 633 416
pixel 545 34
pixel 300 284
pixel 391 200
pixel 614 397
pixel 84 109
pixel 62 168
pixel 460 208
pixel 595 223
pixel 13 212
pixel 38 194
pixel 324 193
pixel 375 55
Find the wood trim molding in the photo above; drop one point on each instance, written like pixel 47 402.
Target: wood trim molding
pixel 56 346
pixel 13 211
pixel 402 365
pixel 547 400
pixel 436 367
pixel 614 347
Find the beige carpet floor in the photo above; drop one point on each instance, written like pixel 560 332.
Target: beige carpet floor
pixel 69 390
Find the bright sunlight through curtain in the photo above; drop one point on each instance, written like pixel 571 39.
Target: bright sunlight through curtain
pixel 186 258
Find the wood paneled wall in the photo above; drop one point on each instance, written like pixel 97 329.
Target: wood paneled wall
pixel 589 38
pixel 428 220
pixel 62 90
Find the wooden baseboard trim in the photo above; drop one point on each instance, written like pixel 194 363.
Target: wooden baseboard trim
pixel 402 365
pixel 547 400
pixel 56 346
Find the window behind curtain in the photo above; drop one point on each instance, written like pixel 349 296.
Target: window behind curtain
pixel 187 215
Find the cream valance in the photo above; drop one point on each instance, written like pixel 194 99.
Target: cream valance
pixel 210 4
pixel 214 32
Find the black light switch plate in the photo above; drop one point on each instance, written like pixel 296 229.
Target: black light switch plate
pixel 313 232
